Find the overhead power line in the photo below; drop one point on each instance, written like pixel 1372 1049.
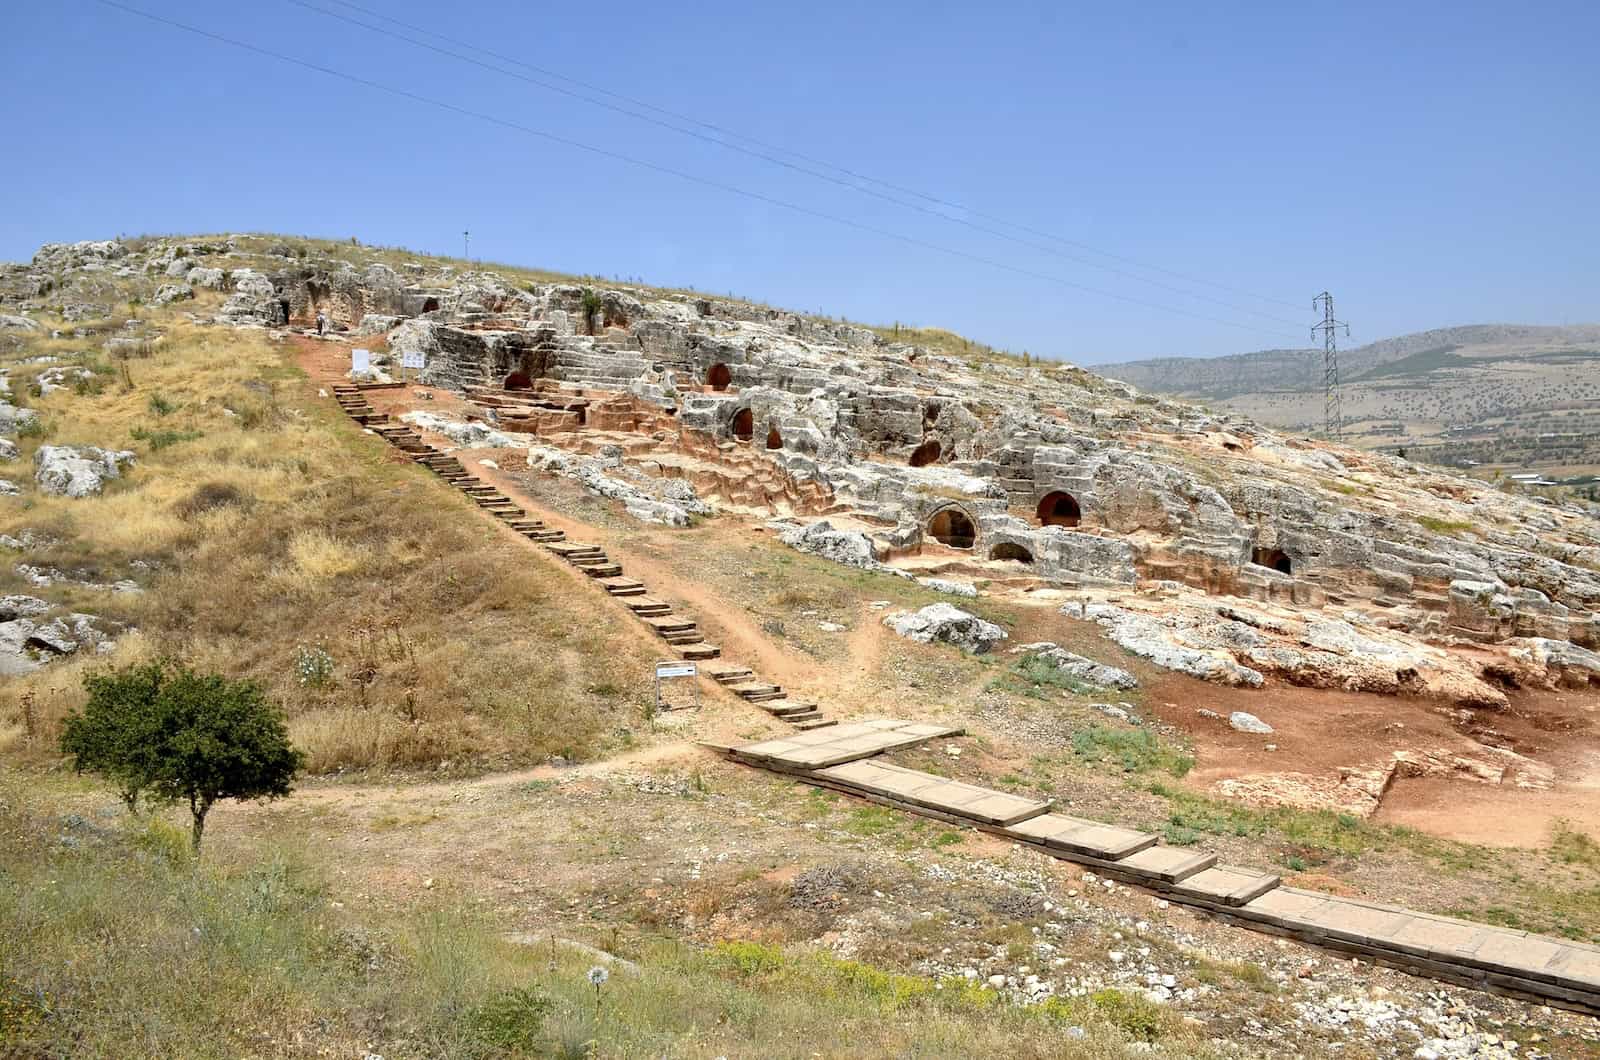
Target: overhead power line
pixel 850 179
pixel 668 170
pixel 1332 413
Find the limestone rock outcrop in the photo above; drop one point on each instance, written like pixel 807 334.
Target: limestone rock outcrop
pixel 66 471
pixel 947 624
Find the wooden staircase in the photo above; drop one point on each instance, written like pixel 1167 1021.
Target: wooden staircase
pixel 677 630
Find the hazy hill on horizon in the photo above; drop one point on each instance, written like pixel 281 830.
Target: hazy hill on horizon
pixel 1511 396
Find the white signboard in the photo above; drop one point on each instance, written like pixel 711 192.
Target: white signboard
pixel 673 668
pixel 413 359
pixel 360 361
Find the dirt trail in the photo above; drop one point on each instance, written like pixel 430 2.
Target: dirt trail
pixel 426 791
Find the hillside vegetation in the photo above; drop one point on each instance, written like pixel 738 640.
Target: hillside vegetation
pixel 273 539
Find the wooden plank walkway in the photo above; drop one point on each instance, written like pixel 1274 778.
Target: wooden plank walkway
pixel 821 748
pixel 1533 967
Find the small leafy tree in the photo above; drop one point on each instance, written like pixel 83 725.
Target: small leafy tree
pixel 115 731
pixel 182 736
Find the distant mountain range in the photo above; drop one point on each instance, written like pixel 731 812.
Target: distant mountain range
pixel 1415 355
pixel 1502 395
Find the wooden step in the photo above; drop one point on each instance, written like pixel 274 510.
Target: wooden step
pixel 590 559
pixel 524 525
pixel 699 650
pixel 648 607
pixel 816 723
pixel 670 624
pixel 545 537
pixel 756 691
pixel 688 636
pixel 784 708
pixel 572 548
pixel 729 673
pixel 607 570
pixel 508 512
pixel 618 586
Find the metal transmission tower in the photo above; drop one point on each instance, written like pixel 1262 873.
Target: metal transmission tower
pixel 1332 420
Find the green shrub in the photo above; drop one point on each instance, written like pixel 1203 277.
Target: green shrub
pixel 158 440
pixel 510 1020
pixel 162 405
pixel 749 958
pixel 1134 750
pixel 1134 1015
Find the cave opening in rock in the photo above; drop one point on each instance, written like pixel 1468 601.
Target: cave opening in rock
pixel 1059 509
pixel 951 526
pixel 517 380
pixel 430 306
pixel 925 454
pixel 1008 550
pixel 719 377
pixel 744 425
pixel 774 439
pixel 1275 558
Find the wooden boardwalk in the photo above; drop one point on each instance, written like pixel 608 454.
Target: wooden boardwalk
pixel 1533 967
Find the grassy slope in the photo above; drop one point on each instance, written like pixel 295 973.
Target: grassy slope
pixel 256 958
pixel 329 541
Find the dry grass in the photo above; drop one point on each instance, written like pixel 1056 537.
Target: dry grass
pixel 279 528
pixel 113 943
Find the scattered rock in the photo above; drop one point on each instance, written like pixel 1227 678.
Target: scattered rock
pixel 849 547
pixel 944 585
pixel 1079 667
pixel 64 471
pixel 13 419
pixel 949 624
pixel 168 293
pixel 1246 722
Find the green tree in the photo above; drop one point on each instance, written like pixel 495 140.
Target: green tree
pixel 182 736
pixel 115 732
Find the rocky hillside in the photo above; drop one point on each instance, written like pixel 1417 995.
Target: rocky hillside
pixel 1502 395
pixel 1258 556
pixel 1166 617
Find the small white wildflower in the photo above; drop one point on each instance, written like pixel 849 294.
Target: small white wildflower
pixel 598 975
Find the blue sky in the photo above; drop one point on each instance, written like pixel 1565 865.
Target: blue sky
pixel 1431 164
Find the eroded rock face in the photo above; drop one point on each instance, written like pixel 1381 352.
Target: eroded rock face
pixel 1057 474
pixel 852 548
pixel 947 624
pixel 65 471
pixel 1170 643
pixel 1240 644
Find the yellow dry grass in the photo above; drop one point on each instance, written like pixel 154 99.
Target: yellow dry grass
pixel 267 528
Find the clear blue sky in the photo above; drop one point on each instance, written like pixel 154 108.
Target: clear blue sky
pixel 1431 163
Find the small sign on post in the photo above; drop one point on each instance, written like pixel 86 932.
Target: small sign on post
pixel 360 362
pixel 673 670
pixel 411 359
